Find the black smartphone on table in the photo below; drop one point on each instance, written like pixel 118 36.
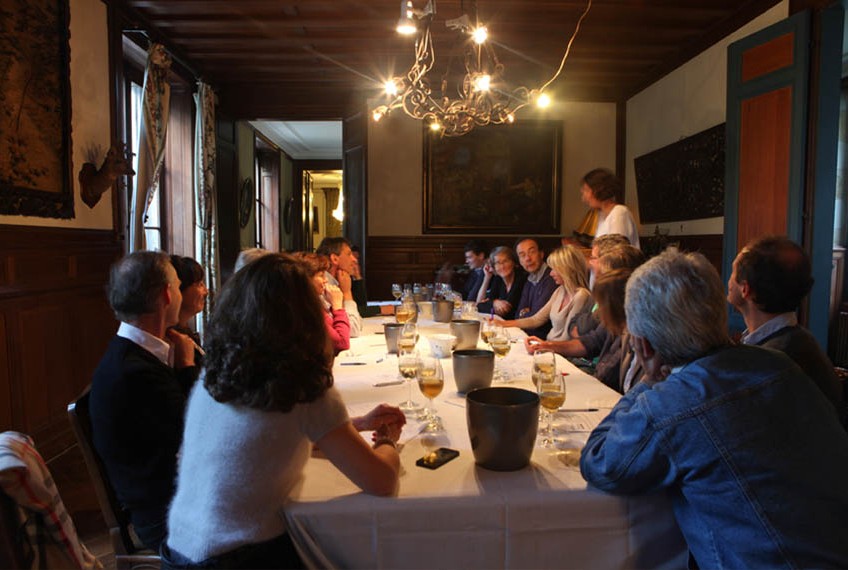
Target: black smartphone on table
pixel 436 459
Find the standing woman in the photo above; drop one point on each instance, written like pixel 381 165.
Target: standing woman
pixel 599 190
pixel 503 282
pixel 267 395
pixel 194 292
pixel 335 316
pixel 570 300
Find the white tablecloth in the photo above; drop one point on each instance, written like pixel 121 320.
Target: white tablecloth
pixel 461 515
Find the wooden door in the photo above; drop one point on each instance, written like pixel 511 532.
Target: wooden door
pixel 781 144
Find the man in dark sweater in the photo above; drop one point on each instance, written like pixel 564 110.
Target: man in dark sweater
pixel 139 391
pixel 770 277
pixel 539 287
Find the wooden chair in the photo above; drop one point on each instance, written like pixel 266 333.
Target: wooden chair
pixel 127 554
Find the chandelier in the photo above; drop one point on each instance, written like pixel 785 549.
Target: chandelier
pixel 483 96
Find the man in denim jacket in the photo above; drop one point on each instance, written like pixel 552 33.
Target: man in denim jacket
pixel 747 447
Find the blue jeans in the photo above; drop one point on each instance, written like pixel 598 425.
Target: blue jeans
pixel 275 553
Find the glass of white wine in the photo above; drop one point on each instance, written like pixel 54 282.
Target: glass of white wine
pixel 408 337
pixel 405 311
pixel 397 291
pixel 408 364
pixel 487 330
pixel 544 367
pixel 431 381
pixel 500 343
pixel 551 397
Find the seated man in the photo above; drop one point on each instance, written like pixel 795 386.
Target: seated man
pixel 342 264
pixel 539 287
pixel 770 277
pixel 137 398
pixel 476 255
pixel 739 438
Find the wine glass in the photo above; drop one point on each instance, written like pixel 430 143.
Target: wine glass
pixel 499 341
pixel 406 311
pixel 408 337
pixel 397 291
pixel 551 396
pixel 431 381
pixel 408 364
pixel 544 367
pixel 487 330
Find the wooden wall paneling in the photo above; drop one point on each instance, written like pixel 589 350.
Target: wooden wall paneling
pixel 768 57
pixel 5 376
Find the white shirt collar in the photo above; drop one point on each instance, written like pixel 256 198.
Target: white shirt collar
pixel 537 275
pixel 155 346
pixel 769 327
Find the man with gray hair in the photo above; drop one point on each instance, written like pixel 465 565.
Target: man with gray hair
pixel 139 390
pixel 742 441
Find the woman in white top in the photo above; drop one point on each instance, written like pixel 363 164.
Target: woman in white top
pixel 570 299
pixel 266 396
pixel 600 190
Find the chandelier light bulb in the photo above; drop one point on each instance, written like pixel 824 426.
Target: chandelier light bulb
pixel 510 118
pixel 480 35
pixel 377 115
pixel 482 83
pixel 543 101
pixel 435 127
pixel 406 26
pixel 391 87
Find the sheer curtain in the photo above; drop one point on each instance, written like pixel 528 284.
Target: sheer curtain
pixel 206 234
pixel 151 144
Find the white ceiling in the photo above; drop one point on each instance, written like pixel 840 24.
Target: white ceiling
pixel 305 140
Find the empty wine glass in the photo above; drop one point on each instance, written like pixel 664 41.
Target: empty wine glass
pixel 499 341
pixel 431 381
pixel 551 397
pixel 408 363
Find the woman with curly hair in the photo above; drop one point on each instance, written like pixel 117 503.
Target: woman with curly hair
pixel 266 395
pixel 335 316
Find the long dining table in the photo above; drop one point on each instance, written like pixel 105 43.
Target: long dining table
pixel 464 516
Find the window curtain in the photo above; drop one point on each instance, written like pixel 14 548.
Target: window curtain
pixel 206 233
pixel 155 108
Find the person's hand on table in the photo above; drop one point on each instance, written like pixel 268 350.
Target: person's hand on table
pixel 534 343
pixel 501 307
pixel 385 420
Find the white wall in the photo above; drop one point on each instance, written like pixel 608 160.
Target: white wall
pixel 395 165
pixel 90 127
pixel 688 100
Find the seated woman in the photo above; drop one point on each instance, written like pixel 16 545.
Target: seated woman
pixel 503 282
pixel 267 392
pixel 570 299
pixel 194 292
pixel 335 316
pixel 603 342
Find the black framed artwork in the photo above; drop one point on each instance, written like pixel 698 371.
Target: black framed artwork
pixel 502 179
pixel 35 109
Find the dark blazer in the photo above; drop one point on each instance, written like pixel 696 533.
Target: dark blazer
pixel 472 284
pixel 801 346
pixel 137 408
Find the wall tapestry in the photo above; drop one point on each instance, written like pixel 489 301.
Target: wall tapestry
pixel 35 109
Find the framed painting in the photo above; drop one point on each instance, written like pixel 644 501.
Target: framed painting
pixel 503 179
pixel 35 109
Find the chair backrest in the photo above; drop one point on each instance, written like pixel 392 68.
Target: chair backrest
pixel 12 554
pixel 117 519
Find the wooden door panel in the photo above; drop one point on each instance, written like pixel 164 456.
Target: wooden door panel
pixel 764 165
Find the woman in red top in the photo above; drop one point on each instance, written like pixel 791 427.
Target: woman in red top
pixel 338 325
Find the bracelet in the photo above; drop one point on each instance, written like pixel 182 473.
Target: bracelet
pixel 384 441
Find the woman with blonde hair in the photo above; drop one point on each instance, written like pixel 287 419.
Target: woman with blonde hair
pixel 570 299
